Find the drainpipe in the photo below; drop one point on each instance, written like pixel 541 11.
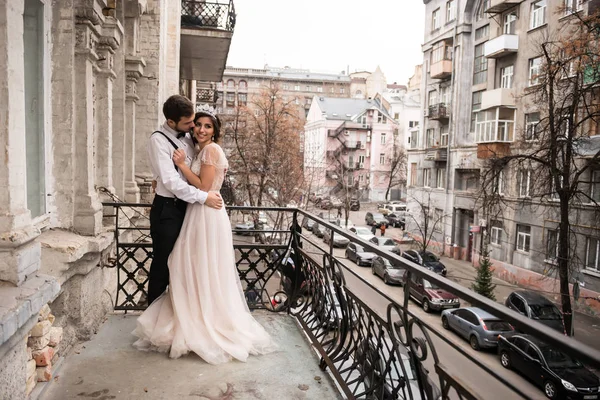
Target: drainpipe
pixel 451 130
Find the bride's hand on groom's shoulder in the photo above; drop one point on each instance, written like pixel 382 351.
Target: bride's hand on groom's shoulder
pixel 214 200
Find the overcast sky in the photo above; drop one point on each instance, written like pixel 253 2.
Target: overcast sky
pixel 330 35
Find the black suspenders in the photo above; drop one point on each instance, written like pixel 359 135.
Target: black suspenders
pixel 172 144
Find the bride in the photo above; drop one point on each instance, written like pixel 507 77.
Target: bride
pixel 204 309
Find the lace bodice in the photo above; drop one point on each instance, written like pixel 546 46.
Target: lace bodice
pixel 212 154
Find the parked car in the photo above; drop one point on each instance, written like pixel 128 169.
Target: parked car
pixel 362 232
pixel 559 375
pixel 354 205
pixel 342 223
pixel 338 240
pixel 535 306
pixel 375 219
pixel 308 223
pixel 356 253
pixel 390 271
pixel 318 230
pixel 396 220
pixel 431 296
pixel 262 217
pixel 330 315
pixel 478 326
pixel 244 229
pixel 426 259
pixel 385 243
pixel 392 208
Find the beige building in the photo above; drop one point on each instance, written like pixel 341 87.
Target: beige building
pixel 479 62
pixel 81 89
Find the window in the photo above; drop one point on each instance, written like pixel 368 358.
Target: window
pixel 331 90
pixel 34 52
pixel 499 183
pixel 496 232
pixel 350 180
pixel 440 178
pixel 450 10
pixel 320 89
pixel 532 126
pixel 242 99
pixel 412 124
pixel 592 254
pixel 506 77
pixel 308 88
pixel 509 23
pixel 480 69
pixel 552 245
pixel 230 84
pixel 444 135
pixel 523 238
pixel 382 119
pixel 432 98
pixel 435 20
pixel 286 87
pixel 414 139
pixel 243 85
pixel 438 219
pixel 475 107
pixel 383 138
pixel 296 87
pixel 297 101
pixel 441 51
pixel 524 180
pixel 382 159
pixel 538 14
pixel 427 177
pixel 230 100
pixel 572 6
pixel 430 138
pixel 534 71
pixel 396 116
pixel 520 306
pixel 595 186
pixel 342 90
pixel 482 32
pixel 413 174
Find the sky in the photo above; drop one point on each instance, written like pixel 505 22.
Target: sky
pixel 330 35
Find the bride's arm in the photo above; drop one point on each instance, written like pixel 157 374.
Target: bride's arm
pixel 202 182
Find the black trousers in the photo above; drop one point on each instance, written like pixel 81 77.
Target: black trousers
pixel 166 218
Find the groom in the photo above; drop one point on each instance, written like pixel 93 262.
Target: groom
pixel 172 189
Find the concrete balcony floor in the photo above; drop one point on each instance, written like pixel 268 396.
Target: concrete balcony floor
pixel 109 367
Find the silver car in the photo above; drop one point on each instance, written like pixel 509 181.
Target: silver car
pixel 362 232
pixel 385 243
pixel 478 326
pixel 338 240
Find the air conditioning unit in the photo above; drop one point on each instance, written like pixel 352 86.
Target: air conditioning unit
pixel 363 146
pixel 425 112
pixel 368 153
pixel 360 165
pixel 347 133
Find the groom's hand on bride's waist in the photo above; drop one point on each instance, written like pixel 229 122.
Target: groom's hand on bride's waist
pixel 214 200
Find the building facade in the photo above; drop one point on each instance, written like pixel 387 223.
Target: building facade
pixel 81 88
pixel 349 143
pixel 481 59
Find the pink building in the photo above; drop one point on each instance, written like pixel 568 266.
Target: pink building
pixel 359 134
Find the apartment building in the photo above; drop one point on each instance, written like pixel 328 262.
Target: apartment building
pixel 481 61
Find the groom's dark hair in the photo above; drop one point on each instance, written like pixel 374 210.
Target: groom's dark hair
pixel 177 107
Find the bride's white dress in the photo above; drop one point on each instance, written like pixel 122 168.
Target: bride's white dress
pixel 204 309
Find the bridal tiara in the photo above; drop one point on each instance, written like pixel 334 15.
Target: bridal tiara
pixel 205 108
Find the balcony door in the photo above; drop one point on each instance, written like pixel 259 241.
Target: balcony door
pixel 510 23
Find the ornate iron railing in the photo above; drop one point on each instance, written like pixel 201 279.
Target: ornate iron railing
pixel 208 14
pixel 387 354
pixel 204 95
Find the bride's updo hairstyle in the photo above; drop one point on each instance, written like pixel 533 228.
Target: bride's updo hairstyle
pixel 215 121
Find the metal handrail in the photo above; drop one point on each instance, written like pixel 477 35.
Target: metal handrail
pixel 208 14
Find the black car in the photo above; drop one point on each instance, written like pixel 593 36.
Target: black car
pixel 426 259
pixel 392 272
pixel 396 220
pixel 318 230
pixel 558 374
pixel 355 252
pixel 354 205
pixel 535 306
pixel 308 223
pixel 375 219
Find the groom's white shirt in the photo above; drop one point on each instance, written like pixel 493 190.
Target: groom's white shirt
pixel 170 182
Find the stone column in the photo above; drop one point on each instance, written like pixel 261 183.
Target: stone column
pixel 88 209
pixel 19 255
pixel 135 69
pixel 112 33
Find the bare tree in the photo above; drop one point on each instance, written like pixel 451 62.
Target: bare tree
pixel 555 158
pixel 425 221
pixel 396 177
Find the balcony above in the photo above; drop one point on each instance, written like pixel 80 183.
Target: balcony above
pixel 492 150
pixel 439 112
pixel 499 6
pixel 441 69
pixel 206 31
pixel 497 98
pixel 501 46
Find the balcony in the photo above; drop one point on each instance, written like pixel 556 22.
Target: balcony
pixel 439 112
pixel 366 340
pixel 441 69
pixel 501 46
pixel 497 98
pixel 206 32
pixel 206 95
pixel 499 6
pixel 440 155
pixel 492 150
